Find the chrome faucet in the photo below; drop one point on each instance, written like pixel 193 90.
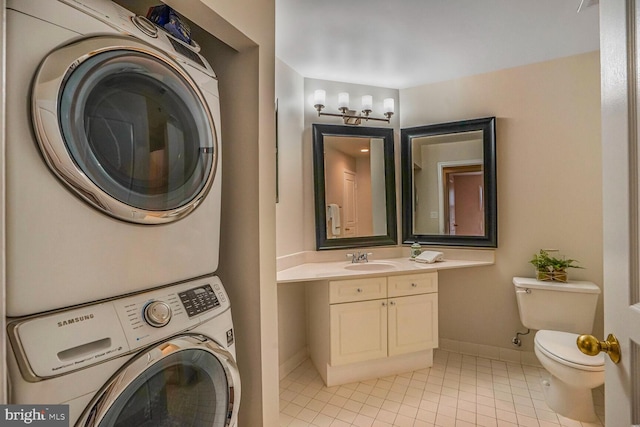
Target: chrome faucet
pixel 359 257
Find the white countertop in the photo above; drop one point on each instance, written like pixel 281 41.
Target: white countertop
pixel 311 271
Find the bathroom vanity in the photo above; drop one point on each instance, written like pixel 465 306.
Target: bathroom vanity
pixel 373 319
pixel 372 326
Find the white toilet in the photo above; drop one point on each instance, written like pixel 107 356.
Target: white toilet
pixel 561 312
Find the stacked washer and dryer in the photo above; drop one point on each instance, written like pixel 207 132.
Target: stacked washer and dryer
pixel 113 220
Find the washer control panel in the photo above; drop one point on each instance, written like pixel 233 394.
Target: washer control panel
pixel 68 340
pixel 152 315
pixel 157 313
pixel 198 300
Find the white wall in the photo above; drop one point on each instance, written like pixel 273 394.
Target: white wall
pixel 307 239
pixel 295 211
pixel 549 183
pixel 289 210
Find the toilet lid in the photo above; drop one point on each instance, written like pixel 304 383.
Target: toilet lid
pixel 562 347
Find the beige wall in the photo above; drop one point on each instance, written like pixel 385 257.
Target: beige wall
pixel 549 183
pixel 426 180
pixel 3 336
pixel 243 56
pixel 549 187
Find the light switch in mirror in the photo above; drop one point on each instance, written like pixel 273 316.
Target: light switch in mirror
pixel 449 184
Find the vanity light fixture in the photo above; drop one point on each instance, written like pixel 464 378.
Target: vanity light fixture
pixel 352 117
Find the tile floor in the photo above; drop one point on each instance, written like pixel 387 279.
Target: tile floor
pixel 459 390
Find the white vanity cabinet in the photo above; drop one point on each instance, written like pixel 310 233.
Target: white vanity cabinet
pixel 367 327
pixel 412 313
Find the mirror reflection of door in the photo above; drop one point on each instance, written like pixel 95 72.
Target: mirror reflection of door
pixel 355 181
pixel 439 208
pixel 349 204
pixel 430 215
pixel 464 195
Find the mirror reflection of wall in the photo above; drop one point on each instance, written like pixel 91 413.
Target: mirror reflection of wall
pixel 354 186
pixel 448 184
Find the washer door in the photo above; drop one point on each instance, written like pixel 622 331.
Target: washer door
pixel 125 128
pixel 186 381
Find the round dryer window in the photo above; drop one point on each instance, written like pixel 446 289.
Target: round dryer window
pixel 187 381
pixel 126 128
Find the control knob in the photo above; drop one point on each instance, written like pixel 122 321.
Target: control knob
pixel 157 313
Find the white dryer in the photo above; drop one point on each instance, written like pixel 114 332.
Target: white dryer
pixel 162 357
pixel 113 155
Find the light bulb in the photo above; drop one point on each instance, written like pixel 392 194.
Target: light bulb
pixel 319 97
pixel 367 102
pixel 388 106
pixel 343 100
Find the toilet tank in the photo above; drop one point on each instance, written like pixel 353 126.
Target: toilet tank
pixel 568 307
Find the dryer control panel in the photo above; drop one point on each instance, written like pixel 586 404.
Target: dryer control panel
pixel 68 340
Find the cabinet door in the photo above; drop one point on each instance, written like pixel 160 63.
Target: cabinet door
pixel 358 331
pixel 413 323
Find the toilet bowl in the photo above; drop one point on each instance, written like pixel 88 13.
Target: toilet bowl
pixel 573 374
pixel 560 312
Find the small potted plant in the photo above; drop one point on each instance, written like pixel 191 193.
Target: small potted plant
pixel 550 268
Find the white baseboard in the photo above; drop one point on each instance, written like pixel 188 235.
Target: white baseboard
pixel 293 362
pixel 489 352
pixel 378 368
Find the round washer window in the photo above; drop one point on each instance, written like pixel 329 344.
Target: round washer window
pixel 187 388
pixel 137 129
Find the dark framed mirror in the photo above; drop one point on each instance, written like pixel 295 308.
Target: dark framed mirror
pixel 354 185
pixel 449 194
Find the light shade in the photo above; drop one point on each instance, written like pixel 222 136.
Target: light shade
pixel 388 105
pixel 367 102
pixel 319 97
pixel 343 100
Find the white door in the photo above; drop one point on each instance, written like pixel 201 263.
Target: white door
pixel 349 204
pixel 620 136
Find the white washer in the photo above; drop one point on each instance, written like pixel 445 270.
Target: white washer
pixel 113 155
pixel 162 357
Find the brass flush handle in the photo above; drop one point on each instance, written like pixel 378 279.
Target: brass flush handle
pixel 589 345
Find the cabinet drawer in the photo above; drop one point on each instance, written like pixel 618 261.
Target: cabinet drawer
pixel 357 290
pixel 413 284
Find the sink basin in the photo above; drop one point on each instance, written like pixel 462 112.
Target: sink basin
pixel 371 266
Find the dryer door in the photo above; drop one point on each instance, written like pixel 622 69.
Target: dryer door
pixel 125 128
pixel 186 381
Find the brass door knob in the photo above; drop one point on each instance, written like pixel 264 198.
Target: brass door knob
pixel 589 345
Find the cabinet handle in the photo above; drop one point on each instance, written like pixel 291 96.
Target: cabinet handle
pixel 359 290
pixel 414 285
pixel 384 304
pixel 392 302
